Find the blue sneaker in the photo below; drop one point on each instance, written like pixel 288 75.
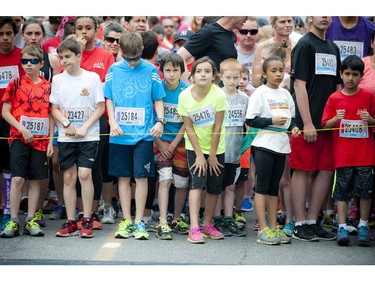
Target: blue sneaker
pixel 4 220
pixel 289 228
pixel 140 231
pixel 59 212
pixel 342 237
pixel 246 205
pixel 363 236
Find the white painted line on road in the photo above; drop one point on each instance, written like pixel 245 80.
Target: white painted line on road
pixel 111 245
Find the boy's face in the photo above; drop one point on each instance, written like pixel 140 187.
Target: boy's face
pixel 243 82
pixel 350 78
pixel 6 38
pixel 231 79
pixel 172 74
pixel 70 61
pixel 31 64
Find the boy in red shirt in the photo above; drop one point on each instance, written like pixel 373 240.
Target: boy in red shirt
pixel 27 110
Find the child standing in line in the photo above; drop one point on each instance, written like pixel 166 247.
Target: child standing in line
pixel 271 108
pixel 133 89
pixel 352 110
pixel 26 108
pixel 230 74
pixel 77 104
pixel 170 149
pixel 202 107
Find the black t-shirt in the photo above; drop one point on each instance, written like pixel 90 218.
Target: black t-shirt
pixel 46 70
pixel 318 63
pixel 213 41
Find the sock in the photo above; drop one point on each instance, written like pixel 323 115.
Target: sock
pixel 330 212
pixel 299 223
pixel 146 218
pixel 362 223
pixel 29 218
pixel 342 225
pixel 309 222
pixel 15 220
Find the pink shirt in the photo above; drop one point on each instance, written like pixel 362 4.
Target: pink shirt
pixel 368 80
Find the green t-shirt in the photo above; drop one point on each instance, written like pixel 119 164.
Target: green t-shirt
pixel 203 115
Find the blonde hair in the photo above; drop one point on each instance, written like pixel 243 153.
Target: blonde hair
pixel 230 65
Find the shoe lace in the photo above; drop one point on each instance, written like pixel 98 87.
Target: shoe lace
pixel 181 223
pixel 95 216
pixel 279 233
pixel 140 226
pixel 86 223
pixel 11 225
pixel 79 217
pixel 364 230
pixel 32 224
pixel 66 225
pixel 270 233
pixel 38 215
pixel 164 225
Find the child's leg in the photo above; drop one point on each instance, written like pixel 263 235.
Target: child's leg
pixel 140 197
pixel 194 206
pixel 34 196
pixel 365 206
pixel 285 182
pixel 87 190
pixel 163 195
pixel 57 176
pixel 124 192
pixel 260 208
pixel 70 193
pixel 229 200
pixel 342 209
pixel 272 205
pixel 179 201
pixel 15 195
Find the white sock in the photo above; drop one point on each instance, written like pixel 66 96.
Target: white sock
pixel 299 223
pixel 342 225
pixel 362 223
pixel 309 222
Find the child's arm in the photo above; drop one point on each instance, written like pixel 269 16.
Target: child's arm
pixel 51 135
pixel 26 134
pixel 200 164
pixel 59 117
pixel 166 150
pixel 340 114
pixel 98 112
pixel 212 159
pixel 115 129
pixel 158 128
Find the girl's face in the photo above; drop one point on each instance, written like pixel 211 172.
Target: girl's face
pixel 85 27
pixel 114 46
pixel 33 35
pixel 274 74
pixel 203 75
pixel 171 74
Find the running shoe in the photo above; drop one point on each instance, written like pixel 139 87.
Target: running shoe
pixel 180 226
pixel 59 212
pixel 109 214
pixel 87 228
pixel 163 231
pixel 12 229
pixel 342 237
pixel 228 225
pixel 4 220
pixel 247 206
pixel 237 215
pixel 209 231
pixel 49 207
pixel 328 221
pixel 304 233
pixel 140 231
pixel 69 228
pixel 125 229
pixel 32 228
pixel 195 236
pixel 321 233
pixel 79 220
pixel 96 221
pixel 284 239
pixel 39 218
pixel 289 228
pixel 256 226
pixel 354 212
pixel 152 225
pixel 267 237
pixel 363 236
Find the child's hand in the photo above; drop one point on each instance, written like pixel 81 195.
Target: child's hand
pixel 164 151
pixel 200 165
pixel 365 116
pixel 157 130
pixel 70 131
pixel 115 129
pixel 50 149
pixel 340 114
pixel 279 120
pixel 81 132
pixel 27 135
pixel 214 165
pixel 82 42
pixel 296 132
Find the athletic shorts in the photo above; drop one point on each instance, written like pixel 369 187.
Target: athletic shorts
pixel 81 153
pixel 230 173
pixel 27 162
pixel 4 146
pixel 212 182
pixel 135 161
pixel 311 157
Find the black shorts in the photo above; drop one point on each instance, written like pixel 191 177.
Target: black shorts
pixel 4 146
pixel 27 162
pixel 359 179
pixel 212 183
pixel 230 172
pixel 81 153
pixel 243 176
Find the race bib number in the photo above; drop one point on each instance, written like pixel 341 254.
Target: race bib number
pixel 353 129
pixel 235 115
pixel 171 113
pixel 348 48
pixel 77 115
pixel 128 116
pixel 203 117
pixel 7 73
pixel 325 64
pixel 37 126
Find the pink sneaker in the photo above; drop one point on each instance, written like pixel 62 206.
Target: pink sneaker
pixel 195 236
pixel 209 231
pixel 354 212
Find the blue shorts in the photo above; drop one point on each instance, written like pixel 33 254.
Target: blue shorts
pixel 132 160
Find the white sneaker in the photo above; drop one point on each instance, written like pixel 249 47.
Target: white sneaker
pixel 109 214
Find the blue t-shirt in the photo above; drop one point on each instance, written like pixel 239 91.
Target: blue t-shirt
pixel 133 92
pixel 174 120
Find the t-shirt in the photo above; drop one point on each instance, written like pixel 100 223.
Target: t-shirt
pixel 133 92
pixel 77 97
pixel 234 121
pixel 98 60
pixel 355 41
pixel 267 103
pixel 10 68
pixel 50 46
pixel 368 80
pixel 174 120
pixel 213 41
pixel 353 143
pixel 317 62
pixel 30 107
pixel 203 114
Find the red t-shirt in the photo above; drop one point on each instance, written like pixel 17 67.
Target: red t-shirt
pixel 349 151
pixel 10 68
pixel 29 100
pixel 50 45
pixel 98 61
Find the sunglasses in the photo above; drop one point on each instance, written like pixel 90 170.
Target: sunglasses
pixel 246 31
pixel 166 26
pixel 112 40
pixel 132 59
pixel 33 61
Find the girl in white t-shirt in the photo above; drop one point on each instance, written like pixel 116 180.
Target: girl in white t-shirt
pixel 271 109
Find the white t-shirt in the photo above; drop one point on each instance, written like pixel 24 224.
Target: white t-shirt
pixel 267 103
pixel 77 97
